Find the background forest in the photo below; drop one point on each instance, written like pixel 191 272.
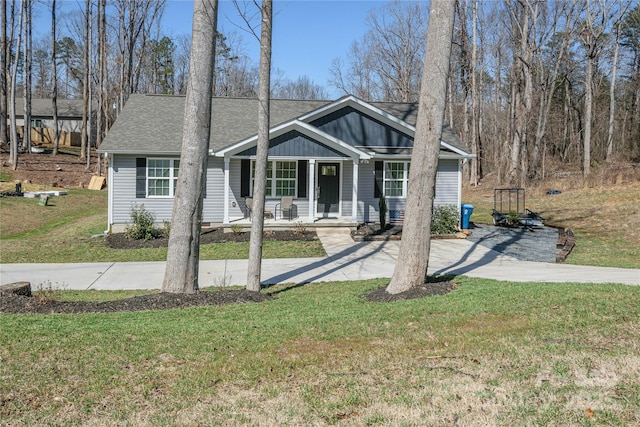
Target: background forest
pixel 537 88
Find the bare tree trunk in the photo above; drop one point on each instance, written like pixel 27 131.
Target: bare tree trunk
pixel 85 83
pixel 524 92
pixel 588 103
pixel 54 78
pixel 474 170
pixel 413 258
pixel 181 274
pixel 89 72
pixel 13 154
pixel 262 150
pixel 100 87
pixel 27 54
pixel 612 90
pixel 4 55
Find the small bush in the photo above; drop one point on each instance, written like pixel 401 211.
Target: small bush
pixel 141 227
pixel 237 228
pixel 300 229
pixel 445 219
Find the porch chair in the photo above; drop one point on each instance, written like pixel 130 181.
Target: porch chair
pixel 248 201
pixel 285 206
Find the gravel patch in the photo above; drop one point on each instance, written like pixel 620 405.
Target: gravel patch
pixel 526 244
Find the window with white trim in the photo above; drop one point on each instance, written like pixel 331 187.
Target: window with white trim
pixel 396 178
pixel 281 178
pixel 162 177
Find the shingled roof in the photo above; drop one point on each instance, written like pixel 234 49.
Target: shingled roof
pixel 152 124
pixel 43 107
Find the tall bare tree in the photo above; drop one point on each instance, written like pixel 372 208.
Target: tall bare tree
pixel 262 150
pixel 13 154
pixel 27 56
pixel 386 63
pixel 413 258
pixel 54 79
pixel 4 55
pixel 102 118
pixel 181 274
pixel 85 82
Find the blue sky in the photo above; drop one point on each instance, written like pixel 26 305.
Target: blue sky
pixel 307 34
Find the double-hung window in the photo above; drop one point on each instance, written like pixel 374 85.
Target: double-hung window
pixel 396 178
pixel 162 177
pixel 281 178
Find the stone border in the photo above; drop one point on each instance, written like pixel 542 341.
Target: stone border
pixel 566 242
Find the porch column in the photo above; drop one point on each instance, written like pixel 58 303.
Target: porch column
pixel 311 190
pixel 225 203
pixel 354 197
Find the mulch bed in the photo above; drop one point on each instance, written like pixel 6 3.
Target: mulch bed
pixel 43 303
pixel 160 301
pixel 211 235
pixel 434 286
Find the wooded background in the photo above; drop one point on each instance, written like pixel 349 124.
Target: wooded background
pixel 536 87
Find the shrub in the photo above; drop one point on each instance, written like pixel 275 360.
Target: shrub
pixel 445 219
pixel 382 210
pixel 141 227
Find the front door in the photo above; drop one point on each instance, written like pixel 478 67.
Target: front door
pixel 328 189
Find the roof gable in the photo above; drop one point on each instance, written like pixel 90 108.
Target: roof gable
pixel 153 124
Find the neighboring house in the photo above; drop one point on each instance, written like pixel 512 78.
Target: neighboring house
pixel 325 154
pixel 42 124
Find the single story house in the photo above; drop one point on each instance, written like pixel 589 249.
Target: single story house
pixel 335 158
pixel 42 123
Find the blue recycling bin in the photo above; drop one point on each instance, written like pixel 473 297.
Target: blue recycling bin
pixel 467 210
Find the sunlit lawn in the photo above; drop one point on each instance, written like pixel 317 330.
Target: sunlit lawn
pixel 489 353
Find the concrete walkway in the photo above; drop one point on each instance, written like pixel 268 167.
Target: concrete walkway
pixel 346 260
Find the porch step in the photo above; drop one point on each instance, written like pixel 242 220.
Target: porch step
pixel 333 231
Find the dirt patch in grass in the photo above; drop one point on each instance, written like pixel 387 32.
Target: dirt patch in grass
pixel 159 301
pixel 60 171
pixel 434 286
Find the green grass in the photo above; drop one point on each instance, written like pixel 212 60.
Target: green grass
pixel 70 230
pixel 489 353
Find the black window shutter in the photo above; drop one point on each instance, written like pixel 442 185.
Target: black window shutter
pixel 379 177
pixel 245 177
pixel 141 177
pixel 302 178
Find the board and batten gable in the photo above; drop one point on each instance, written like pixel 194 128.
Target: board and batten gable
pixel 361 130
pixel 296 145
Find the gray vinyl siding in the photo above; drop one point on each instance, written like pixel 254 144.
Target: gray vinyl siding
pixel 446 190
pixel 239 210
pixel 124 192
pixel 347 188
pixel 213 206
pixel 359 130
pixel 295 144
pixel 447 182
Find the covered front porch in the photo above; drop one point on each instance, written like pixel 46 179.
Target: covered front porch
pixel 319 172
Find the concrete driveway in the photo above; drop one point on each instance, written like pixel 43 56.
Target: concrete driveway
pixel 346 260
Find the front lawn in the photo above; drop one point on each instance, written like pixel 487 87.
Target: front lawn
pixel 488 353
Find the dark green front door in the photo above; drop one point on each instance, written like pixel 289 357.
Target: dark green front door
pixel 329 189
